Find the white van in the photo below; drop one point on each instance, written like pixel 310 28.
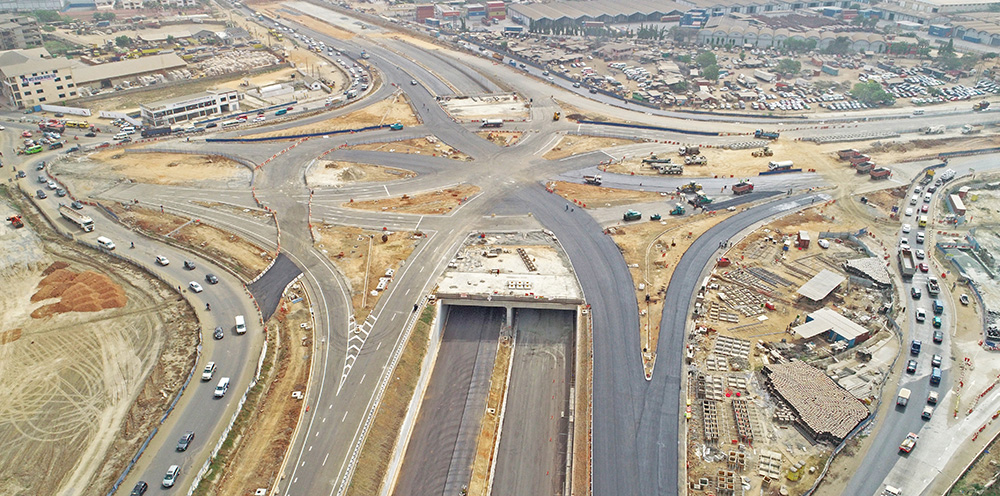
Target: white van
pixel 915 199
pixel 127 129
pixel 106 243
pixel 928 197
pixel 918 112
pixel 241 327
pixel 223 386
pixel 119 136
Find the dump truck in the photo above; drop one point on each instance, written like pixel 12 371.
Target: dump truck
pixel 903 398
pixel 933 130
pixel 672 169
pixel 595 179
pixel 743 188
pixel 933 288
pixel 678 210
pixel 983 105
pixel 691 187
pixel 907 266
pixel 688 150
pixel 782 165
pixel 556 116
pixel 859 159
pixel 864 167
pixel 632 215
pixel 771 135
pixel 653 159
pixel 78 218
pixel 763 152
pixel 909 443
pixel 880 173
pixel 695 160
pixel 847 154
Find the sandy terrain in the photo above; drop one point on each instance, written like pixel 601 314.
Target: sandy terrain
pixel 889 152
pixel 336 173
pixel 362 257
pixel 391 110
pixel 575 144
pixel 106 347
pixel 311 22
pixel 486 107
pixel 375 454
pixel 272 413
pixel 501 138
pixel 236 253
pixel 597 196
pixel 428 145
pixel 433 203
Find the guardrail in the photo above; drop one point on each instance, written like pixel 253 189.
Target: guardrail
pixel 294 136
pixel 653 128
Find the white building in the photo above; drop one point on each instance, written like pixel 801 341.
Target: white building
pixel 190 108
pixel 130 4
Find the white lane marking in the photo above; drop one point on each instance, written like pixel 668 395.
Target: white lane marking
pixel 345 417
pixel 386 190
pixel 324 420
pixel 407 292
pixel 311 448
pixel 379 346
pixel 324 459
pixel 392 318
pixel 421 219
pixel 362 378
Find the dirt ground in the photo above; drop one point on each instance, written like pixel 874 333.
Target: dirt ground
pixel 107 349
pixel 336 173
pixel 362 257
pixel 576 144
pixel 501 138
pixel 482 107
pixel 169 168
pixel 317 25
pixel 429 145
pixel 433 203
pixel 391 110
pixel 374 459
pixel 271 421
pixel 486 441
pixel 595 196
pixel 889 152
pixel 238 254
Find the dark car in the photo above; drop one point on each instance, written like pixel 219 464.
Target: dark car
pixel 932 189
pixel 21 173
pixel 59 114
pixel 915 293
pixel 41 195
pixel 219 333
pixel 911 367
pixel 139 489
pixel 211 279
pixel 938 337
pixel 211 125
pixel 91 134
pixel 40 166
pixel 185 441
pixel 189 265
pixel 60 192
pixel 76 205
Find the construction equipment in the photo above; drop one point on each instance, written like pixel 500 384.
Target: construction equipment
pixel 555 116
pixel 782 165
pixel 655 217
pixel 763 152
pixel 396 127
pixel 678 209
pixel 691 187
pixel 771 135
pixel 972 129
pixel 653 159
pixel 695 160
pixel 743 188
pixel 909 443
pixel 595 179
pixel 632 215
pixel 880 173
pixel 76 217
pixel 700 198
pixel 933 130
pixel 983 105
pixel 15 221
pixel 688 150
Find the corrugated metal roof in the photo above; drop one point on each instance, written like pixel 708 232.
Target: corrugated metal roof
pixel 821 284
pixel 130 67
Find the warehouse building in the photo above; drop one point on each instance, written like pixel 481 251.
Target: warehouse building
pixel 113 73
pixel 188 108
pixel 833 327
pixel 730 31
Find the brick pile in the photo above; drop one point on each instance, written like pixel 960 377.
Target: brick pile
pixel 826 410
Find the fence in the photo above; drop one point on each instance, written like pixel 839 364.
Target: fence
pixel 966 153
pixel 653 128
pixel 294 136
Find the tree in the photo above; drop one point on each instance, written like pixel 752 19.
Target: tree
pixel 123 41
pixel 46 16
pixel 171 39
pixel 840 46
pixel 797 45
pixel 743 55
pixel 899 48
pixel 711 72
pixel 872 93
pixel 789 66
pixel 706 58
pixel 104 16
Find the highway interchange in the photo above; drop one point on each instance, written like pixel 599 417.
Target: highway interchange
pixel 636 422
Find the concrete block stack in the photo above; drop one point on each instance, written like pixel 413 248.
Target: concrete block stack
pixel 741 411
pixel 527 260
pixel 734 347
pixel 710 419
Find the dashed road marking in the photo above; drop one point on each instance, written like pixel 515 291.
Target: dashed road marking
pixel 324 459
pixel 345 417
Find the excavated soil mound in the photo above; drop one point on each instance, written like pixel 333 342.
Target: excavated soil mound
pixel 10 336
pixel 77 292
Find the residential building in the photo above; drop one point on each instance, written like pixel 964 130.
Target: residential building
pixel 32 77
pixel 130 4
pixel 189 108
pixel 19 31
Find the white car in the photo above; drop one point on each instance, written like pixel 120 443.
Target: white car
pixel 906 228
pixel 920 254
pixel 195 287
pixel 172 473
pixel 162 260
pixel 921 315
pixel 2 128
pixel 909 212
pixel 53 185
pixel 209 371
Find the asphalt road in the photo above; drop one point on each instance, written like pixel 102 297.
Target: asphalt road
pixel 456 392
pixel 532 454
pixel 268 289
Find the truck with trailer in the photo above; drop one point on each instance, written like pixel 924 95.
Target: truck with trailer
pixel 903 398
pixel 771 135
pixel 492 123
pixel 154 132
pixel 780 165
pixel 764 76
pixel 671 169
pixel 907 266
pixel 933 288
pixel 653 159
pixel 76 217
pixel 880 173
pixel 595 179
pixel 743 188
pixel 928 177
